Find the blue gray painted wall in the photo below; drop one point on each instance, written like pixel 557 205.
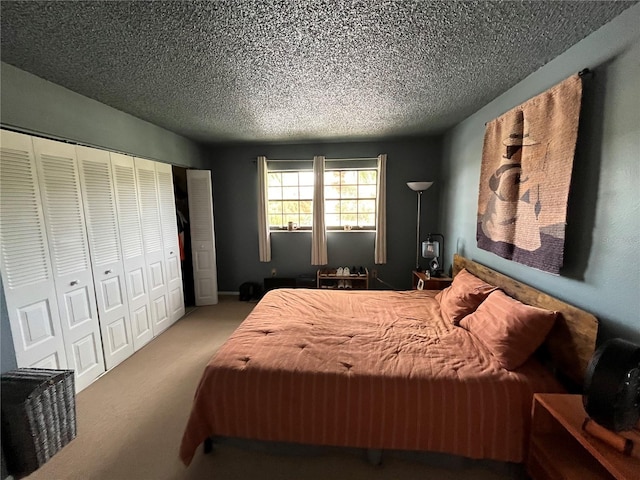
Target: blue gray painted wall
pixel 601 273
pixel 234 174
pixel 33 105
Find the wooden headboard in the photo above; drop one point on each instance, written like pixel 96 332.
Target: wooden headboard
pixel 571 342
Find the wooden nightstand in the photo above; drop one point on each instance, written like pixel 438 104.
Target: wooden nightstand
pixel 560 449
pixel 433 283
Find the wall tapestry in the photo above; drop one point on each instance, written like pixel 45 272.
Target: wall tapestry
pixel 527 161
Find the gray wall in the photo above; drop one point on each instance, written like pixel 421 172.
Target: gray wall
pixel 235 210
pixel 601 273
pixel 33 105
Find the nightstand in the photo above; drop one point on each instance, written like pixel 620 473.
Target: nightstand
pixel 559 448
pixel 433 283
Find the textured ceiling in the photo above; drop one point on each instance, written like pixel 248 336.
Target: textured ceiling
pixel 296 70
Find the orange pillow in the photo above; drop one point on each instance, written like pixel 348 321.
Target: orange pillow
pixel 511 330
pixel 463 296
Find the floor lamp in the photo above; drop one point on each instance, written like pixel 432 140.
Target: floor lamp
pixel 418 187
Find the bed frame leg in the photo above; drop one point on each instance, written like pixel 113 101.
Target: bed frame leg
pixel 208 445
pixel 374 456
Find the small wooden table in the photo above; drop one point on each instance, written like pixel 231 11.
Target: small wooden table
pixel 560 448
pixel 433 283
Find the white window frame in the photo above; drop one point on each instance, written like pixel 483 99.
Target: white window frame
pixel 328 171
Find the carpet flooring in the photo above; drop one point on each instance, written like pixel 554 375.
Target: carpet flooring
pixel 130 422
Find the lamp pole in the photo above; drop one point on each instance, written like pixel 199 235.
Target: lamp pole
pixel 418 187
pixel 418 232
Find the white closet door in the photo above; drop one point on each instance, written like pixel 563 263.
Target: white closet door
pixel 65 225
pixel 126 194
pixel 153 246
pixel 104 249
pixel 203 245
pixel 169 222
pixel 26 269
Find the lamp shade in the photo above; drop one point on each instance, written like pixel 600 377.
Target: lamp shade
pixel 431 249
pixel 419 186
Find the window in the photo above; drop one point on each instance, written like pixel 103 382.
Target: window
pixel 290 195
pixel 350 198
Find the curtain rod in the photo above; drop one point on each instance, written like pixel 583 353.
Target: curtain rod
pixel 326 159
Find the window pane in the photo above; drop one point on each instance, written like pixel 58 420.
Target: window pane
pixel 274 179
pixel 290 179
pixel 305 221
pixel 306 192
pixel 291 218
pixel 306 178
pixel 367 191
pixel 290 192
pixel 367 206
pixel 367 177
pixel 275 207
pixel 332 177
pixel 332 220
pixel 350 177
pixel 332 206
pixel 275 220
pixel 349 191
pixel 366 220
pixel 331 192
pixel 349 219
pixel 306 206
pixel 275 193
pixel 290 207
pixel 349 206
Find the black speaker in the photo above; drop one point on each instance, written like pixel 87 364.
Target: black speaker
pixel 612 385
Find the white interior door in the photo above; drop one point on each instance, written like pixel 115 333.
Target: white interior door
pixel 104 249
pixel 203 245
pixel 126 194
pixel 169 222
pixel 69 252
pixel 153 246
pixel 24 261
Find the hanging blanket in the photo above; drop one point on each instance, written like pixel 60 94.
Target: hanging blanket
pixel 527 161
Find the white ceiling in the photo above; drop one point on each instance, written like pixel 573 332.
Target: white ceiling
pixel 294 70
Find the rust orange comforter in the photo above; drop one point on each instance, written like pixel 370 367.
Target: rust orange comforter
pixel 370 369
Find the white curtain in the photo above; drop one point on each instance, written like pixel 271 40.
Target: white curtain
pixel 319 233
pixel 264 237
pixel 380 253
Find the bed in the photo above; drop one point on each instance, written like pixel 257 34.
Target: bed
pixel 384 370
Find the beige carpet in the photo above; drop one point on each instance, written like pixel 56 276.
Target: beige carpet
pixel 130 421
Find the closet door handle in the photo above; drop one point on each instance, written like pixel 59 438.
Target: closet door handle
pixel 107 272
pixel 73 282
pixel 170 253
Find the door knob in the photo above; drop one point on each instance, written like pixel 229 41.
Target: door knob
pixel 107 272
pixel 73 282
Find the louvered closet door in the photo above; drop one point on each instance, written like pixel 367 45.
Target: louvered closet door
pixel 27 276
pixel 170 240
pixel 203 245
pixel 153 246
pixel 132 247
pixel 69 252
pixel 106 259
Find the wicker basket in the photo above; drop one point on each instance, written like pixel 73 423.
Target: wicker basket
pixel 38 416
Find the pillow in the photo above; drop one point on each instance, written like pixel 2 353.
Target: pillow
pixel 463 296
pixel 511 330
